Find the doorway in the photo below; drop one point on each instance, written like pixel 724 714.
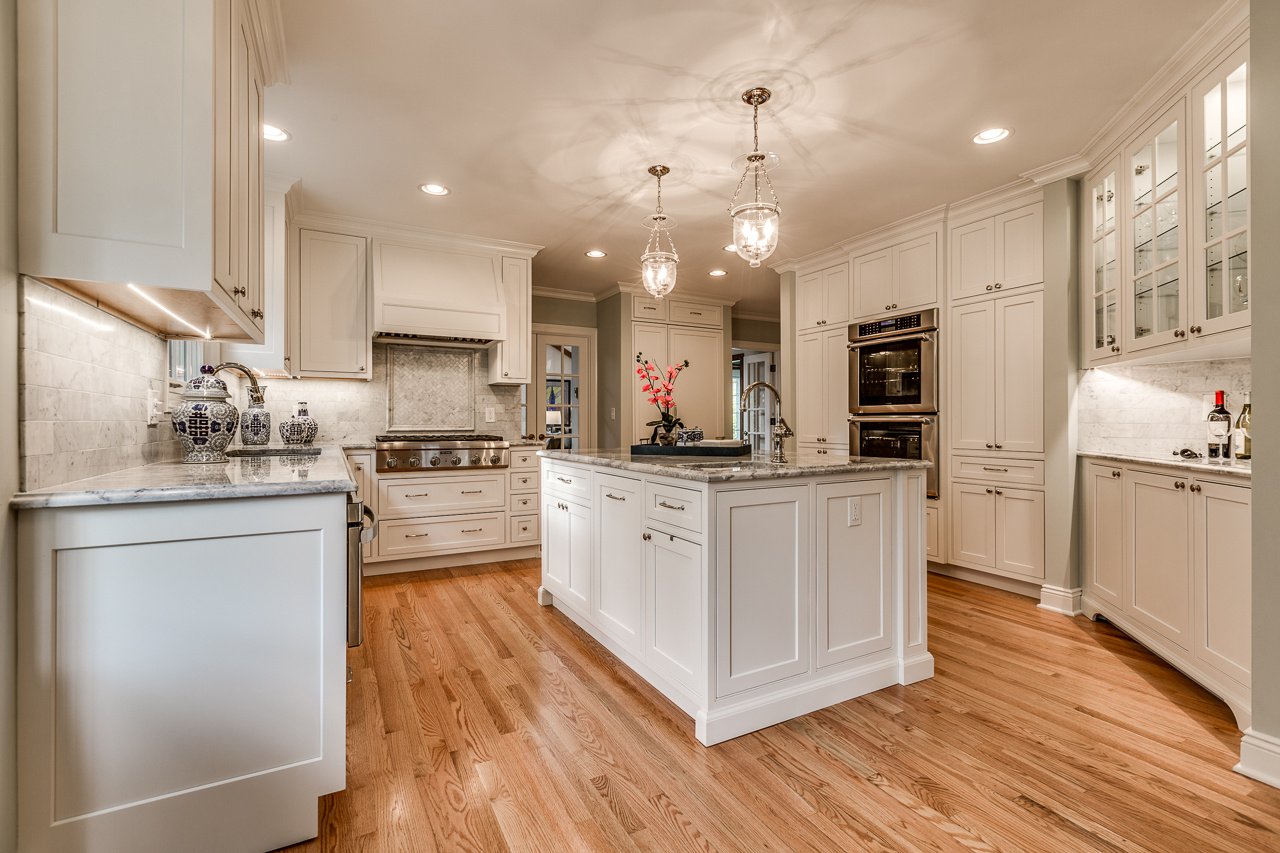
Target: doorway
pixel 752 366
pixel 562 398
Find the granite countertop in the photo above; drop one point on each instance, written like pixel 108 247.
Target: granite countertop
pixel 754 468
pixel 242 477
pixel 1204 467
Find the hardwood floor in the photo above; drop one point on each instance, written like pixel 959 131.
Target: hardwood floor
pixel 481 721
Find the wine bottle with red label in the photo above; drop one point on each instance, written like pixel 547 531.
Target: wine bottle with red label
pixel 1219 423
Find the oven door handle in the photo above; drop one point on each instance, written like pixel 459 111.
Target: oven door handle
pixel 882 419
pixel 921 336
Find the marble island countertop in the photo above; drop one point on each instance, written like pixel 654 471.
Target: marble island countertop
pixel 242 477
pixel 721 469
pixel 1204 467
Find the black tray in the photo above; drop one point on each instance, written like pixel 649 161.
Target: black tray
pixel 689 450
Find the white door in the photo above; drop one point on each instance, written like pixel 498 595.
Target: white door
pixel 702 389
pixel 917 273
pixel 873 283
pixel 563 381
pixel 835 385
pixel 973 525
pixel 809 301
pixel 650 340
pixel 619 560
pixel 1020 532
pixel 674 604
pixel 1020 247
pixel 333 306
pixel 811 404
pixel 1158 552
pixel 1103 533
pixel 973 403
pixel 835 295
pixel 758 367
pixel 1223 563
pixel 1019 363
pixel 973 259
pixel 854 562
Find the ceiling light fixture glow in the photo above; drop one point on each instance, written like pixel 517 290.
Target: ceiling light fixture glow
pixel 731 248
pixel 718 273
pixel 434 189
pixel 271 133
pixel 102 327
pixel 658 265
pixel 595 253
pixel 204 333
pixel 755 223
pixel 991 134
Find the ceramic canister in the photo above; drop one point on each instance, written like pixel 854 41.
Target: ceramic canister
pixel 301 428
pixel 206 420
pixel 255 421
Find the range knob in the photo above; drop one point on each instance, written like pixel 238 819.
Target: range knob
pixel 495 459
pixel 475 458
pixel 457 460
pixel 435 461
pixel 415 462
pixel 392 462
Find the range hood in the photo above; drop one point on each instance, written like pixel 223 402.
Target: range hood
pixel 437 293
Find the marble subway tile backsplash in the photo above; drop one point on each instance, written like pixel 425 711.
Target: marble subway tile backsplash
pixel 84 379
pixel 1155 409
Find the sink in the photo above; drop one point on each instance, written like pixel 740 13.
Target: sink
pixel 263 450
pixel 728 466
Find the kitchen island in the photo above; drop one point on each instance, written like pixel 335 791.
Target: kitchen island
pixel 746 592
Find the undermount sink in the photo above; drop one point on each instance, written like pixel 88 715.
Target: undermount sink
pixel 728 466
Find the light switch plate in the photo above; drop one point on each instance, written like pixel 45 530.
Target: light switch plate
pixel 155 407
pixel 488 415
pixel 855 511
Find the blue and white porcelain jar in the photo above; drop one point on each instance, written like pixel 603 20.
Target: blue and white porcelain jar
pixel 255 421
pixel 301 428
pixel 206 420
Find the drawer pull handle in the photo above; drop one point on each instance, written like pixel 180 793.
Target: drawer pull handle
pixel 563 480
pixel 612 496
pixel 666 505
pixel 695 313
pixel 416 535
pixel 648 308
pixel 473 491
pixel 419 495
pixel 474 530
pixel 1000 470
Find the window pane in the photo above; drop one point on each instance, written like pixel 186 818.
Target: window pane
pixel 1167 285
pixel 1167 159
pixel 1167 230
pixel 1213 202
pixel 1099 322
pixel 1142 233
pixel 1142 173
pixel 1237 191
pixel 1143 307
pixel 552 357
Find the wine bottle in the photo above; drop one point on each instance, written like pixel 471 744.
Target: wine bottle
pixel 1242 442
pixel 1219 427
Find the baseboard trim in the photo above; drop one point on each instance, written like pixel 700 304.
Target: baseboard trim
pixel 447 561
pixel 1027 588
pixel 1060 599
pixel 1260 757
pixel 915 669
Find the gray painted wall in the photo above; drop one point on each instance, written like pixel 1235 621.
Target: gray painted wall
pixel 8 421
pixel 563 312
pixel 757 331
pixel 1264 136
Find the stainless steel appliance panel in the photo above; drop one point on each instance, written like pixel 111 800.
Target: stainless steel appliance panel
pixel 362 527
pixel 898 437
pixel 893 365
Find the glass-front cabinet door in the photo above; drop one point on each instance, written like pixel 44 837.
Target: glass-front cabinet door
pixel 1102 305
pixel 1220 155
pixel 1156 285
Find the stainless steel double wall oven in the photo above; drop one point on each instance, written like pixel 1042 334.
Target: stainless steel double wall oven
pixel 893 389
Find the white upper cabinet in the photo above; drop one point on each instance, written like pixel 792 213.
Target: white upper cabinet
pixel 899 278
pixel 330 307
pixel 997 377
pixel 1101 327
pixel 822 298
pixel 999 253
pixel 509 360
pixel 822 389
pixel 272 354
pixel 147 171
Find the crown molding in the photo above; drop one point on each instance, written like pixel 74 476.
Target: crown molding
pixel 1067 167
pixel 568 295
pixel 759 318
pixel 379 230
pixel 930 220
pixel 1011 195
pixel 277 183
pixel 267 21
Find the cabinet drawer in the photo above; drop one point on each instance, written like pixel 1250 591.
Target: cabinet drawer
pixel 409 536
pixel 648 308
pixel 694 314
pixel 524 481
pixel 567 482
pixel 524 529
pixel 674 505
pixel 524 459
pixel 437 495
pixel 998 469
pixel 523 504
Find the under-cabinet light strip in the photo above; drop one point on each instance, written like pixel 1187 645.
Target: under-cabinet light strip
pixel 68 312
pixel 204 333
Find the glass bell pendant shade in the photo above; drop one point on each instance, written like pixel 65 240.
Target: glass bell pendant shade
pixel 658 273
pixel 755 231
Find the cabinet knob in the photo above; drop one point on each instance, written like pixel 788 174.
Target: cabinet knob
pixel 1180 485
pixel 646 536
pixel 999 491
pixel 999 446
pixel 895 305
pixel 989 491
pixel 362 367
pixel 1115 473
pixel 504 373
pixel 887 307
pixel 990 287
pixel 256 313
pixel 1195 487
pixel 1195 330
pixel 998 285
pixel 1115 348
pixel 990 445
pixel 239 291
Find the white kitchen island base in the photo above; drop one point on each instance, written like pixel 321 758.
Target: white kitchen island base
pixel 746 597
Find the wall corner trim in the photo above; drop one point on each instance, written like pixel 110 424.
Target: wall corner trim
pixel 1059 599
pixel 1260 757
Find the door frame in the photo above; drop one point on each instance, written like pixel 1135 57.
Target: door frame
pixel 587 413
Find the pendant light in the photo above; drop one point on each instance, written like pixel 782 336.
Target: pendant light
pixel 658 265
pixel 755 222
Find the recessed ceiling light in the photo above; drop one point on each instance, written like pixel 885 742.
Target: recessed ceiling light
pixel 434 189
pixel 731 248
pixel 271 133
pixel 717 273
pixel 991 134
pixel 595 253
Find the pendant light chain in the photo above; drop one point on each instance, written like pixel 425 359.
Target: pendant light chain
pixel 755 223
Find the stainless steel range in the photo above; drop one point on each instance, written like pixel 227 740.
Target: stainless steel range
pixel 403 452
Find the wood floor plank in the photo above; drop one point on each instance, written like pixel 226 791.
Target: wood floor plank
pixel 478 720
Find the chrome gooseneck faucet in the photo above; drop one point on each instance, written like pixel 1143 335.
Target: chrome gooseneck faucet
pixel 781 431
pixel 256 394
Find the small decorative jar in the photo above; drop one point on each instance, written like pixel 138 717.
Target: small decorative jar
pixel 255 421
pixel 301 428
pixel 691 435
pixel 206 420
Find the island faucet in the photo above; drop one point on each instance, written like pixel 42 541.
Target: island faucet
pixel 781 431
pixel 256 394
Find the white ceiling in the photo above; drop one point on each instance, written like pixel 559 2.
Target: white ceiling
pixel 542 117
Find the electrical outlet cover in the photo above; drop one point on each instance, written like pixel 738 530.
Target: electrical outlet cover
pixel 488 415
pixel 855 511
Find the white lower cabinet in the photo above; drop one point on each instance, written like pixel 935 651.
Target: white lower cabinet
pixel 998 529
pixel 854 570
pixel 933 533
pixel 620 560
pixel 566 550
pixel 673 583
pixel 1167 558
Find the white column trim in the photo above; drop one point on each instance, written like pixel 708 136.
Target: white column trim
pixel 1060 599
pixel 1260 757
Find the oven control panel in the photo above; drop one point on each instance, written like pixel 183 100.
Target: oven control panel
pixel 890 324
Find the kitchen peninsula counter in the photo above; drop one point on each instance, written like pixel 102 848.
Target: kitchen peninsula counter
pixel 746 592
